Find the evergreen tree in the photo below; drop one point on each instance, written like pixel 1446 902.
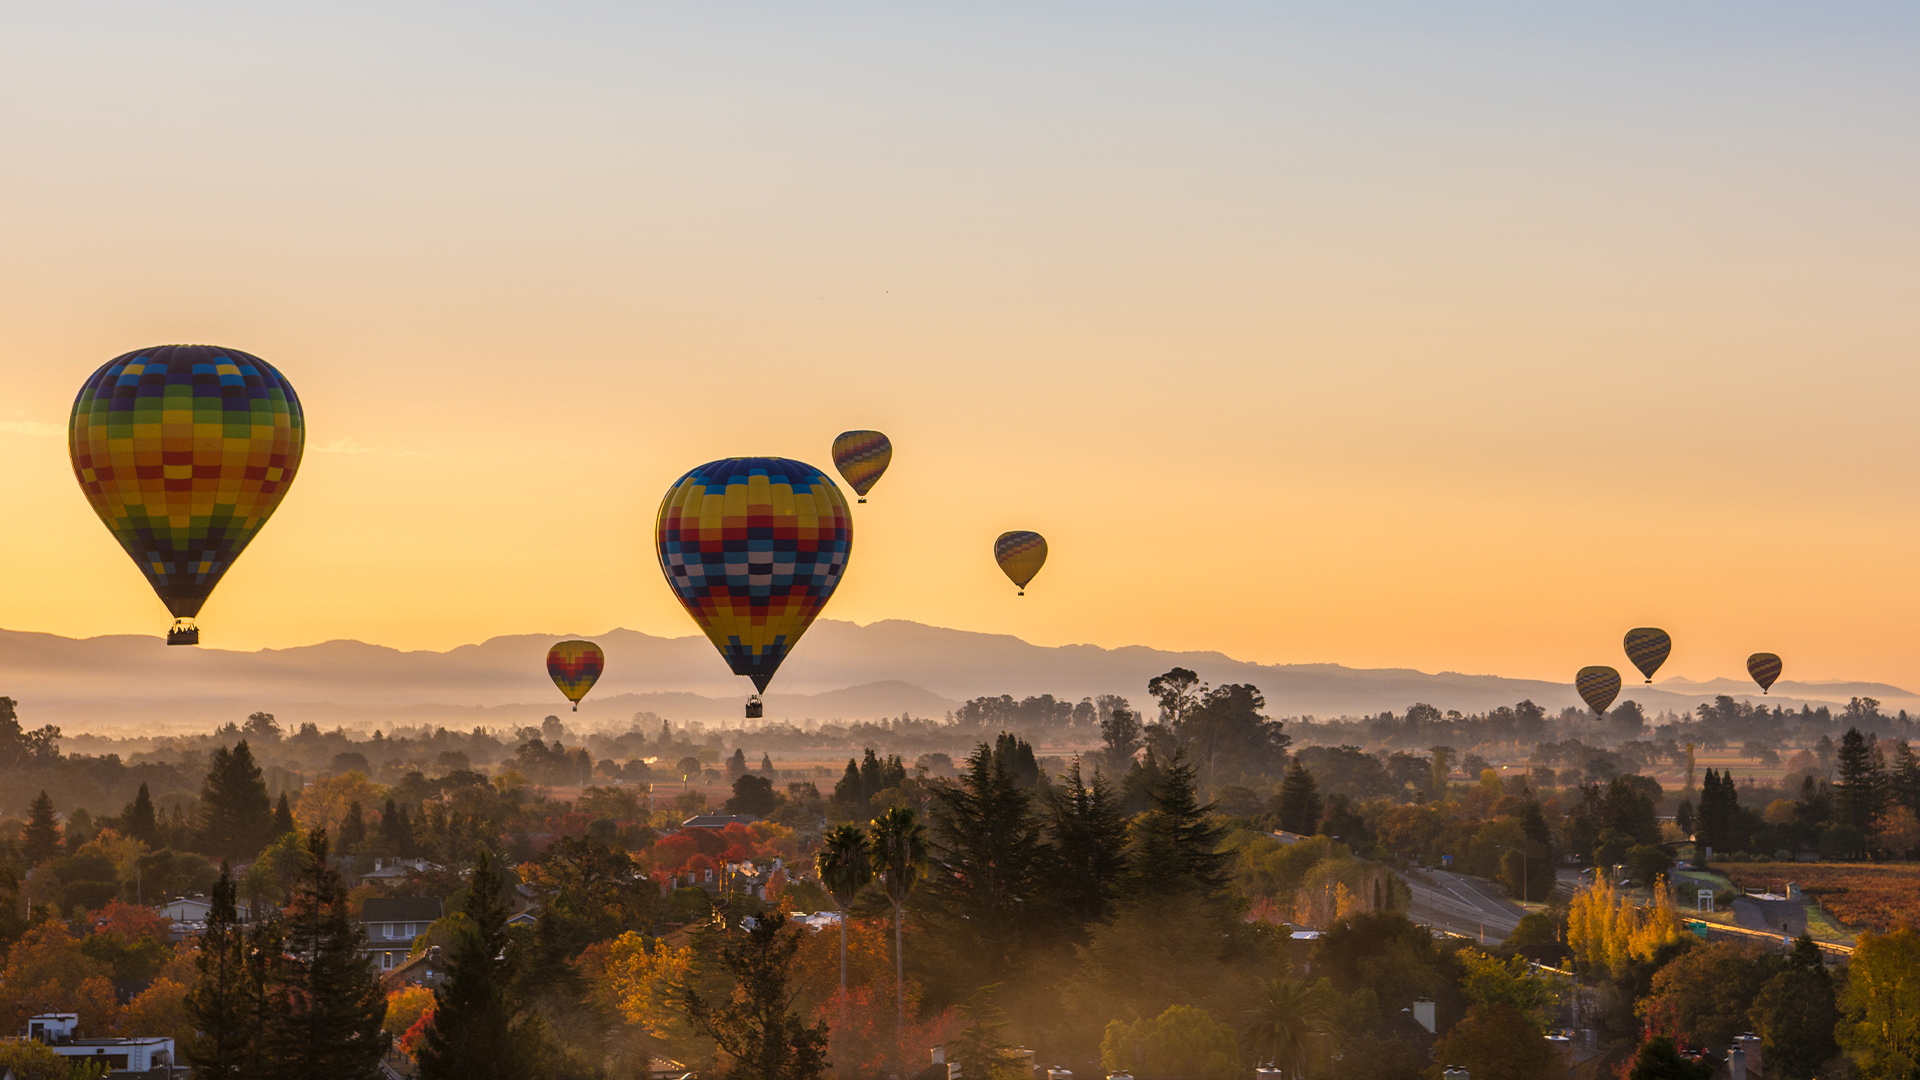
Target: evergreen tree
pixel 981 1049
pixel 757 1028
pixel 1796 1013
pixel 235 813
pixel 1176 845
pixel 138 819
pixel 737 764
pixel 325 1006
pixel 353 830
pixel 223 999
pixel 283 818
pixel 766 764
pixel 1015 755
pixel 851 792
pixel 872 778
pixel 1299 803
pixel 1860 792
pixel 1089 851
pixel 40 840
pixel 987 844
pixel 475 1034
pixel 396 832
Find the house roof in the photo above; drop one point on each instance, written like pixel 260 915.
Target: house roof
pixel 400 909
pixel 717 821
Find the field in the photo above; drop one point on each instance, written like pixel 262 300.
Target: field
pixel 1863 896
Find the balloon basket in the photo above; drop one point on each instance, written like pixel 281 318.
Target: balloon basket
pixel 754 707
pixel 183 633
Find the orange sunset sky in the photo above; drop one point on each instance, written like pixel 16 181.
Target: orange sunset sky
pixel 1442 336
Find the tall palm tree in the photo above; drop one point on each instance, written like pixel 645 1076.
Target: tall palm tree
pixel 898 843
pixel 844 868
pixel 1285 1014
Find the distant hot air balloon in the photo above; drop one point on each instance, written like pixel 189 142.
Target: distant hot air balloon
pixel 1598 686
pixel 754 547
pixel 862 457
pixel 1648 647
pixel 1765 668
pixel 1020 554
pixel 185 451
pixel 575 666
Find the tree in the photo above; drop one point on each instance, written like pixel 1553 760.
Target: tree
pixel 737 764
pixel 324 1005
pixel 1182 1042
pixel 221 1003
pixel 1496 1041
pixel 1285 1016
pixel 987 845
pixel 1119 737
pixel 353 830
pixel 138 819
pixel 897 844
pixel 262 726
pixel 752 794
pixel 1299 804
pixel 1089 849
pixel 234 809
pixel 40 840
pixel 37 1061
pixel 1880 1021
pixel 283 818
pixel 1176 845
pixel 757 1028
pixel 1861 790
pixel 474 1034
pixel 1659 1059
pixel 1795 1014
pixel 845 868
pixel 980 1049
pixel 396 832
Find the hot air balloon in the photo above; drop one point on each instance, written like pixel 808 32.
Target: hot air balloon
pixel 1598 686
pixel 754 547
pixel 862 457
pixel 185 451
pixel 1648 647
pixel 1765 668
pixel 1020 554
pixel 575 666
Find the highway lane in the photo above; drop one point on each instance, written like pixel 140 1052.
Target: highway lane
pixel 1462 905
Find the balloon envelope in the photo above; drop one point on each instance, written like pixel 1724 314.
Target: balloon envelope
pixel 1020 554
pixel 575 666
pixel 185 451
pixel 1765 668
pixel 862 458
pixel 754 547
pixel 1598 686
pixel 1648 648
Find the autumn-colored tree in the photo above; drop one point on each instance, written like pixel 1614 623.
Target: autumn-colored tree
pixel 756 1029
pixel 1880 1021
pixel 405 1006
pixel 644 986
pixel 159 1010
pixel 46 971
pixel 1702 998
pixel 325 804
pixel 1497 1041
pixel 1607 932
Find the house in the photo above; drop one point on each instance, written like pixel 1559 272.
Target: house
pixel 429 969
pixel 717 821
pixel 392 922
pixel 387 872
pixel 57 1031
pixel 194 909
pixel 524 918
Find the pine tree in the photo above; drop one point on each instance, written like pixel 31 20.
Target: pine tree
pixel 1299 803
pixel 757 1029
pixel 396 832
pixel 324 1007
pixel 283 818
pixel 987 843
pixel 138 819
pixel 223 1000
pixel 851 793
pixel 474 1034
pixel 40 840
pixel 1176 844
pixel 1089 851
pixel 766 764
pixel 872 776
pixel 234 809
pixel 353 830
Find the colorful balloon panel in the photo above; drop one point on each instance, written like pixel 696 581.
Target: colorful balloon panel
pixel 1020 554
pixel 1648 647
pixel 1765 668
pixel 575 666
pixel 862 458
pixel 1598 687
pixel 185 451
pixel 754 548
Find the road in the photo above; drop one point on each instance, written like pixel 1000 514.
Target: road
pixel 1461 904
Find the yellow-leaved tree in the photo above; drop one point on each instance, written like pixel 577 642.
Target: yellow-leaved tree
pixel 1607 931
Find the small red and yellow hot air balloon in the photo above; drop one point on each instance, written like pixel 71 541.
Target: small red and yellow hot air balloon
pixel 575 666
pixel 862 458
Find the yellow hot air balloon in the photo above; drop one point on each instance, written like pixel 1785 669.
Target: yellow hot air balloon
pixel 1648 648
pixel 574 666
pixel 1765 668
pixel 862 458
pixel 1020 554
pixel 1598 687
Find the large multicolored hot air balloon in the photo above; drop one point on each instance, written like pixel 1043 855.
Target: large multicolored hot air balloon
pixel 1765 668
pixel 862 457
pixel 1598 687
pixel 1020 554
pixel 1648 648
pixel 185 451
pixel 754 547
pixel 575 666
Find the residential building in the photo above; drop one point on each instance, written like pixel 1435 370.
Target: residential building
pixel 57 1031
pixel 392 922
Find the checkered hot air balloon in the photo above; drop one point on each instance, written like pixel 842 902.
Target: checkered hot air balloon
pixel 753 548
pixel 1598 687
pixel 185 451
pixel 862 458
pixel 1020 554
pixel 1648 648
pixel 574 667
pixel 1765 668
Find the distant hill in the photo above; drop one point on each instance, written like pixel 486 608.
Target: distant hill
pixel 841 671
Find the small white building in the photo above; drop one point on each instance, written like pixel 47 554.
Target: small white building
pixel 56 1030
